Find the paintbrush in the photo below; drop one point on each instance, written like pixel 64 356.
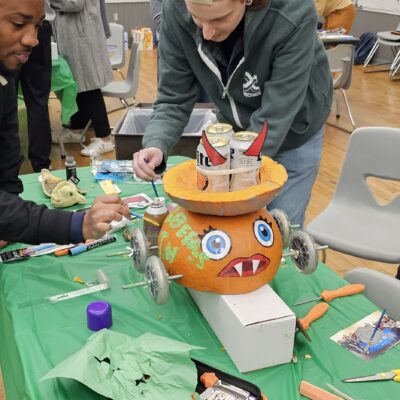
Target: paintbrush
pixel 374 331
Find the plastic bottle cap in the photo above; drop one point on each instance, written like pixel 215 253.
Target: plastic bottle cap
pixel 98 315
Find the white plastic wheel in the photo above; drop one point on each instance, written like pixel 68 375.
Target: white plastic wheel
pixel 157 277
pixel 306 260
pixel 282 220
pixel 140 249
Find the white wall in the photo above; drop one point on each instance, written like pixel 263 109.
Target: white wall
pixel 383 6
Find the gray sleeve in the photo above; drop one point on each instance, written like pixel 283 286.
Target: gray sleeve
pixel 156 12
pixel 67 5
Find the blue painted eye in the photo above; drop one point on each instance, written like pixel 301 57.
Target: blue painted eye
pixel 216 244
pixel 263 233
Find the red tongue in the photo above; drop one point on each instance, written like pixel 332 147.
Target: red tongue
pixel 247 268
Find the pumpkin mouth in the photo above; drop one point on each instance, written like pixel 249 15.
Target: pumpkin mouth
pixel 245 266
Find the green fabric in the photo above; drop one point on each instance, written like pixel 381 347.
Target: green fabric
pixel 65 88
pixel 123 368
pixel 33 341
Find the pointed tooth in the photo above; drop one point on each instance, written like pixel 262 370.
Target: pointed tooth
pixel 256 263
pixel 239 268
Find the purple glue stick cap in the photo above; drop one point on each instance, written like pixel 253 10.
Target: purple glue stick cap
pixel 98 315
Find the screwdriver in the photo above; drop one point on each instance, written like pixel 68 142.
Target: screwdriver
pixel 329 295
pixel 302 324
pixel 316 312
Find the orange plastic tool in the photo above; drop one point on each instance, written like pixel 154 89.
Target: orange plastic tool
pixel 329 295
pixel 315 393
pixel 208 379
pixel 316 312
pixel 60 253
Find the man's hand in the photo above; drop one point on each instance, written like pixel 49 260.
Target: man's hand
pixel 104 210
pixel 145 161
pixel 3 243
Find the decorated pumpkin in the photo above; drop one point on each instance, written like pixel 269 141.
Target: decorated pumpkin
pixel 226 255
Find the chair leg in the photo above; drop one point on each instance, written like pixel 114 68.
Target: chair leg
pixel 62 148
pixel 370 55
pixel 126 104
pixel 83 134
pixel 348 109
pixel 337 105
pixel 323 256
pixel 395 66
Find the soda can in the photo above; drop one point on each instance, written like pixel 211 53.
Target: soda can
pixel 211 182
pixel 239 144
pixel 220 129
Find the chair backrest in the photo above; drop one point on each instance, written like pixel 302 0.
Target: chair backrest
pixel 132 75
pixel 341 59
pixel 381 289
pixel 116 46
pixel 372 152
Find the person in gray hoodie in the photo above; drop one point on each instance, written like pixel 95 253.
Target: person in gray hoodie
pixel 258 60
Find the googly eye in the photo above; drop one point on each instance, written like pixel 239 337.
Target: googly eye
pixel 263 233
pixel 216 244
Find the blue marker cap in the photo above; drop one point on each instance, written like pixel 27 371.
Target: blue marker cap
pixel 77 249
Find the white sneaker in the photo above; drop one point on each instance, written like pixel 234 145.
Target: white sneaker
pixel 66 136
pixel 97 146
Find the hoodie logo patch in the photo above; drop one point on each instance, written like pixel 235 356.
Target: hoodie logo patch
pixel 250 86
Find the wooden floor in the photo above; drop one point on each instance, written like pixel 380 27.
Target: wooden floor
pixel 374 100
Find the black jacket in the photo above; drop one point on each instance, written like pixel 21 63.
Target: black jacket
pixel 20 220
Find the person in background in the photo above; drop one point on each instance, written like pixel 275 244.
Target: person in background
pixel 35 80
pixel 20 220
pixel 156 14
pixel 337 13
pixel 258 60
pixel 80 29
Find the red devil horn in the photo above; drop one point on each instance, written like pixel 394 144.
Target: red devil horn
pixel 212 153
pixel 256 146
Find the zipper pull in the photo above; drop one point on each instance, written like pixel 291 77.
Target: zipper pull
pixel 224 93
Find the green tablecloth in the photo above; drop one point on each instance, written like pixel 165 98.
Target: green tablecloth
pixel 65 88
pixel 34 340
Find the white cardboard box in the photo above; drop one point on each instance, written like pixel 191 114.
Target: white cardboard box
pixel 256 329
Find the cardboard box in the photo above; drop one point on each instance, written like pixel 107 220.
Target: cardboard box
pixel 128 132
pixel 256 329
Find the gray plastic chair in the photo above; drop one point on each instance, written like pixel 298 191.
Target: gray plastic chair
pixel 386 38
pixel 116 47
pixel 126 88
pixel 381 289
pixel 341 60
pixel 354 222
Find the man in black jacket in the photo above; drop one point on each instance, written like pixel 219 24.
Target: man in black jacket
pixel 25 221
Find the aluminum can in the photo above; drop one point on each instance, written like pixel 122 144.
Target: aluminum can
pixel 153 219
pixel 207 182
pixel 220 129
pixel 239 143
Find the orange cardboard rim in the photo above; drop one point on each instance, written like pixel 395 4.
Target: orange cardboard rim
pixel 180 183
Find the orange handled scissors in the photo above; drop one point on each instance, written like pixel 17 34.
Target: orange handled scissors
pixel 393 375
